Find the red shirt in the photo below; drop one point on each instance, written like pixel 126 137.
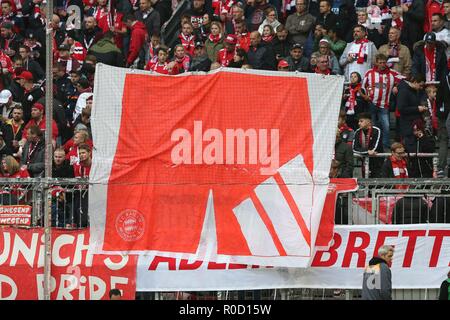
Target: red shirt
pixel 224 57
pixel 243 41
pixel 81 171
pixel 41 125
pixel 157 67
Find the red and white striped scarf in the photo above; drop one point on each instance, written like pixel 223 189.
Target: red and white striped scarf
pixel 430 63
pixel 399 168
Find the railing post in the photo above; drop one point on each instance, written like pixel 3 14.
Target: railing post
pixel 366 167
pixel 37 198
pixel 435 166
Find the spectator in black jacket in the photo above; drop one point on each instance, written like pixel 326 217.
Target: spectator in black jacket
pixel 367 143
pixel 33 153
pixel 410 104
pixel 260 56
pixel 296 60
pixel 343 153
pixel 281 44
pixel 421 167
pixel 327 17
pixel 29 64
pixel 413 18
pixel 107 52
pixel 149 16
pixel 61 167
pixel 200 60
pixel 427 50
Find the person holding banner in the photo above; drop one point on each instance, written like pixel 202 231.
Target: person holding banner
pixel 377 278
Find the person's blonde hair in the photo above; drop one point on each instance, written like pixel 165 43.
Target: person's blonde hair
pixel 11 164
pixel 219 25
pixel 395 146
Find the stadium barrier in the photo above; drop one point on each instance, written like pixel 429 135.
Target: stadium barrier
pixel 377 201
pixel 366 160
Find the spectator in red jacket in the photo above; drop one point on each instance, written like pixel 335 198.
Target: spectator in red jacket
pixel 38 119
pixel 137 39
pixel 225 55
pixel 83 168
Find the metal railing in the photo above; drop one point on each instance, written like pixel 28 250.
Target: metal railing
pixel 376 201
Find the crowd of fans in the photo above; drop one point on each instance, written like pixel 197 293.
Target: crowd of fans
pixel 394 55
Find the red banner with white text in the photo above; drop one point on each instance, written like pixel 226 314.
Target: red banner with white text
pixel 75 274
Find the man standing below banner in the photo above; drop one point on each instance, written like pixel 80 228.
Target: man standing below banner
pixel 359 55
pixel 377 278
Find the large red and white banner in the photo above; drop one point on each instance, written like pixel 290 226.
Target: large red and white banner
pixel 230 166
pixel 75 273
pixel 421 260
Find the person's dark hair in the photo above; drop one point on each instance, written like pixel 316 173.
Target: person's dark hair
pixel 364 29
pixel 241 53
pixel 129 17
pixel 417 78
pixel 18 107
pixel 365 115
pixel 34 129
pixel 281 27
pixel 162 48
pixel 27 48
pixel 84 83
pixel 114 292
pixel 438 14
pixel 358 75
pixel 84 146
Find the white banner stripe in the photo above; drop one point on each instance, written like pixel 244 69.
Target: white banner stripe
pixel 282 218
pixel 254 230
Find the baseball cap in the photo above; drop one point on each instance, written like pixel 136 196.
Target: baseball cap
pixel 231 39
pixel 283 64
pixel 430 37
pixel 5 95
pixel 64 47
pixel 199 44
pixel 324 40
pixel 38 106
pixel 297 46
pixel 27 75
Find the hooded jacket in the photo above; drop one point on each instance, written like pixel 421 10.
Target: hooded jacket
pixel 107 52
pixel 377 280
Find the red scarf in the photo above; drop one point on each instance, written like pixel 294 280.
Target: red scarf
pixel 361 53
pixel 214 39
pixel 399 170
pixel 351 101
pixel 430 62
pixel 365 138
pixel 325 72
pixel 267 38
pixel 188 43
pixel 432 110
